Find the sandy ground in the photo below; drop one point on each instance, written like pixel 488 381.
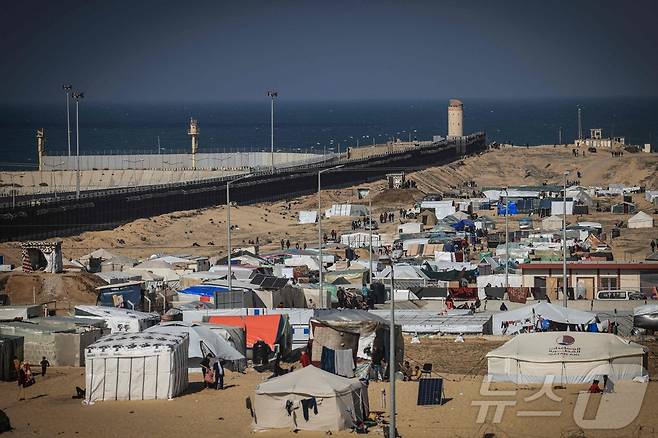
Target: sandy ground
pixel 50 411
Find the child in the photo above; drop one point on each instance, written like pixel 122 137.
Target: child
pixel 44 365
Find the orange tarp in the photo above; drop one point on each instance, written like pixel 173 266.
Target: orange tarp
pixel 265 327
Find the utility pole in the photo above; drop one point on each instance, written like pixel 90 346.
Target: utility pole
pixel 506 238
pixel 67 88
pixel 559 135
pixel 77 96
pixel 580 126
pixel 564 239
pixel 272 94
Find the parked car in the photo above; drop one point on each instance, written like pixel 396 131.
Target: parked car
pixel 372 225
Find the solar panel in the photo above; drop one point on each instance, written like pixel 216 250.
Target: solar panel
pixel 279 283
pixel 430 391
pixel 268 283
pixel 258 279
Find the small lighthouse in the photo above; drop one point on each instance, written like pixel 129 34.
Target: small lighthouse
pixel 41 146
pixel 194 133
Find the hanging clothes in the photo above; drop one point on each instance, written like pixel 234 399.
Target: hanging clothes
pixel 328 360
pixel 307 404
pixel 344 363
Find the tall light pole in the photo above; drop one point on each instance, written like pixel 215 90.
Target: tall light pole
pixel 321 292
pixel 506 238
pixel 272 94
pixel 77 96
pixel 67 88
pixel 392 356
pixel 228 234
pixel 564 239
pixel 580 126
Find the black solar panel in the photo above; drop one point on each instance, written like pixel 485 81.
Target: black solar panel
pixel 430 391
pixel 268 283
pixel 279 283
pixel 258 279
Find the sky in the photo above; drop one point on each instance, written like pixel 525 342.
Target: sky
pixel 162 50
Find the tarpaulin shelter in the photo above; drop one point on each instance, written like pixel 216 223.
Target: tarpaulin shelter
pixel 512 321
pixel 284 402
pixel 308 217
pixel 641 220
pixel 463 224
pixel 202 341
pixel 136 366
pixel 570 357
pixel 272 329
pixel 119 320
pixel 42 256
pixel 351 329
pixel 238 340
pixel 507 210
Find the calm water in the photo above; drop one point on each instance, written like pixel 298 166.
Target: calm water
pixel 310 125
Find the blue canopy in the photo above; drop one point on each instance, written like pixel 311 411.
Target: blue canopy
pixel 459 226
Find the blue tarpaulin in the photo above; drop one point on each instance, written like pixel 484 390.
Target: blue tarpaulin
pixel 459 226
pixel 511 207
pixel 204 290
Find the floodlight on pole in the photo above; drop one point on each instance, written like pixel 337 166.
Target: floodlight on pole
pixel 68 88
pixel 77 96
pixel 506 238
pixel 272 94
pixel 320 240
pixel 228 233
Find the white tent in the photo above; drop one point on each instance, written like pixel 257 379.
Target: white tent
pixel 341 402
pixel 512 321
pixel 308 217
pixel 201 341
pixel 136 366
pixel 641 220
pixel 119 320
pixel 570 357
pixel 346 210
pixel 557 207
pixel 359 240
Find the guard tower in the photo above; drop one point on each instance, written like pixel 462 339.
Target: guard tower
pixel 41 146
pixel 596 134
pixel 194 133
pixel 455 118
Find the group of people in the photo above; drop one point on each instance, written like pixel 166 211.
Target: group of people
pixel 24 375
pixel 387 216
pixel 285 244
pixel 213 372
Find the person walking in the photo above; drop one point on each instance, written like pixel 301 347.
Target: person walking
pixel 218 369
pixel 44 365
pixel 207 371
pixel 653 246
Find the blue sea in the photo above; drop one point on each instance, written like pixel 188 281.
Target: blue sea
pixel 310 126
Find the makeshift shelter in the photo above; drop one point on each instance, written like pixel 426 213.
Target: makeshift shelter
pixel 346 210
pixel 641 220
pixel 202 341
pixel 570 357
pixel 236 337
pixel 427 218
pixel 282 402
pixel 42 256
pixel 551 223
pixel 351 329
pixel 272 329
pixel 484 223
pixel 308 217
pixel 623 208
pixel 119 320
pixel 513 321
pixel 127 295
pixel 136 366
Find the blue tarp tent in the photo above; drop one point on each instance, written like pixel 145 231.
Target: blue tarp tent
pixel 459 226
pixel 511 206
pixel 204 290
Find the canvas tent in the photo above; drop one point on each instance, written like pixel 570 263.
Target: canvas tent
pixel 346 210
pixel 201 341
pixel 571 357
pixel 641 220
pixel 341 402
pixel 119 320
pixel 136 366
pixel 308 217
pixel 512 321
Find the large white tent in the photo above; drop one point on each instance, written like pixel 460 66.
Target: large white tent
pixel 202 341
pixel 119 320
pixel 340 402
pixel 568 357
pixel 513 321
pixel 641 220
pixel 136 366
